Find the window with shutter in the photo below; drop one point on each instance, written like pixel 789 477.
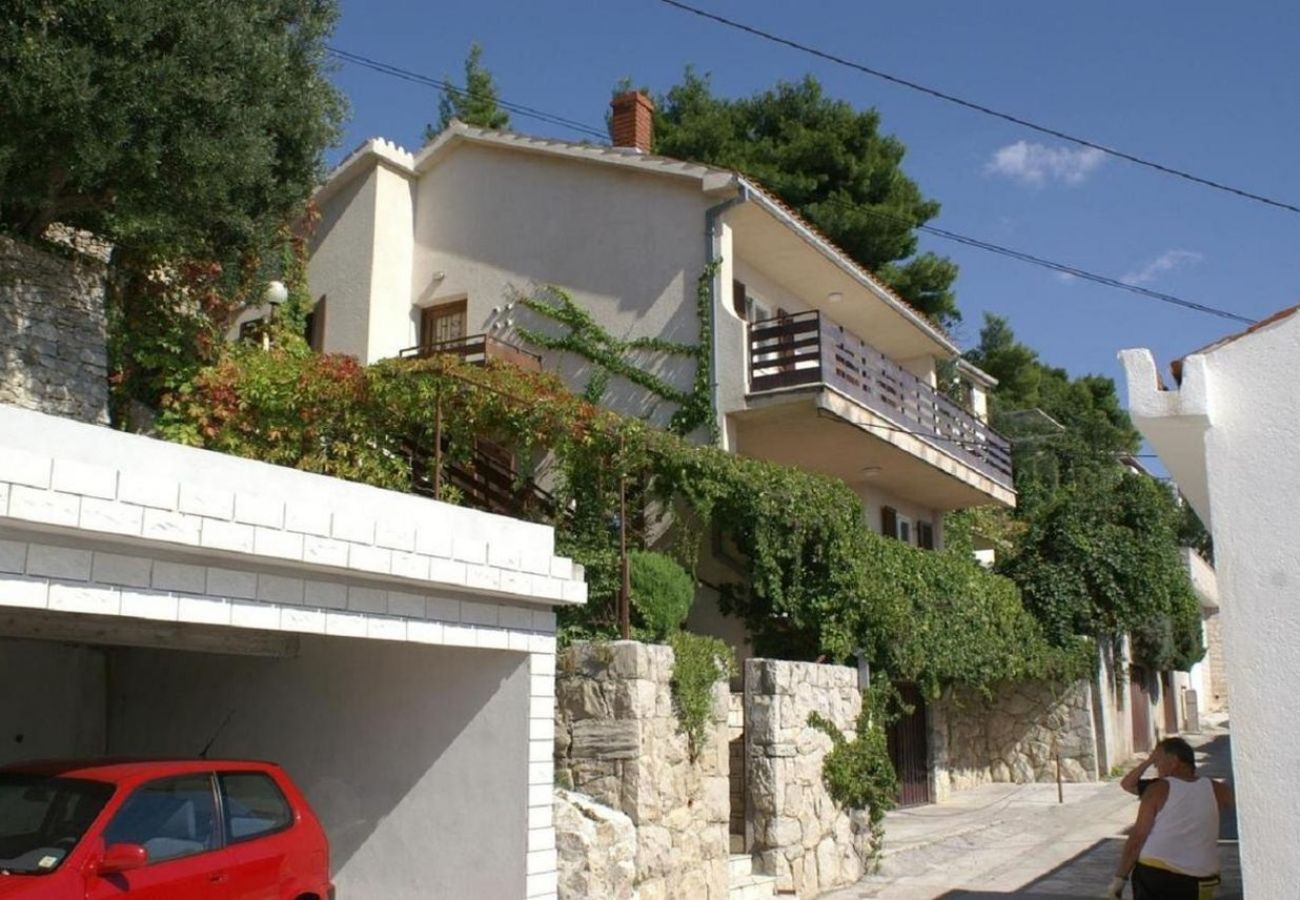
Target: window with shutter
pixel 889 521
pixel 925 535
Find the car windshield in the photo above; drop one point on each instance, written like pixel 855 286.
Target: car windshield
pixel 42 818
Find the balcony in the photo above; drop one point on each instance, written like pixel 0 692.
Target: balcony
pixel 809 350
pixel 477 349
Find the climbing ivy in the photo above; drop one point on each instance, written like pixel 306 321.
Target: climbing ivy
pixel 815 581
pixel 587 339
pixel 858 773
pixel 699 662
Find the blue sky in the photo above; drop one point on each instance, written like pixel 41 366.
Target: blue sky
pixel 1207 87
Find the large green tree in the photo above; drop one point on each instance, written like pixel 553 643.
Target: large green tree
pixel 171 129
pixel 827 160
pixel 475 102
pixel 1095 546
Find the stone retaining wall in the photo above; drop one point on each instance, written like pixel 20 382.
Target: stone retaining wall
pixel 1014 737
pixel 798 834
pixel 617 740
pixel 53 350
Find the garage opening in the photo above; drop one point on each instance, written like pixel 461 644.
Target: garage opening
pixel 392 743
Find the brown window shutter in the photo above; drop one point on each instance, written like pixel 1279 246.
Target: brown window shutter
pixel 738 299
pixel 889 521
pixel 925 535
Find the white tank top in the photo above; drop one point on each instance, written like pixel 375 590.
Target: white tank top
pixel 1185 837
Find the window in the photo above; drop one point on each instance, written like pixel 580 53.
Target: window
pixel 738 299
pixel 170 818
pixel 254 805
pixel 42 819
pixel 905 529
pixel 444 322
pixel 313 331
pixel 925 535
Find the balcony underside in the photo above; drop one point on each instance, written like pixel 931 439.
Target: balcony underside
pixel 819 429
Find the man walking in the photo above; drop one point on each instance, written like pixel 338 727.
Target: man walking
pixel 1173 851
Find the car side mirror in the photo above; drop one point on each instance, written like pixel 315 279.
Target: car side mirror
pixel 122 858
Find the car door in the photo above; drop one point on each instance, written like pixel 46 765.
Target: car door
pixel 257 819
pixel 175 819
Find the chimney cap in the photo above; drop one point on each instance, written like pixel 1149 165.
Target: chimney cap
pixel 628 97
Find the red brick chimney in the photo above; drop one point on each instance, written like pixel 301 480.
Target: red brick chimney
pixel 633 124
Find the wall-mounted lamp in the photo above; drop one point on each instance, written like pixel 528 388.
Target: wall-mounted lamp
pixel 834 297
pixel 275 293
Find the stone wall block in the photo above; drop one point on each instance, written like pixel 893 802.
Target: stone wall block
pixel 615 702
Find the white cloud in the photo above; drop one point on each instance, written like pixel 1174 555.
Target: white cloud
pixel 1169 261
pixel 1065 277
pixel 1037 164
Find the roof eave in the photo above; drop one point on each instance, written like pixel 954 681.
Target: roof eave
pixel 859 274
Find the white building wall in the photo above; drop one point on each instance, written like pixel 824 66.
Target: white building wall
pixel 52 701
pixel 342 259
pixel 392 320
pixel 411 756
pixel 1229 439
pixel 629 248
pixel 121 540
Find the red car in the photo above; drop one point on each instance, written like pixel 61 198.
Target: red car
pixel 158 830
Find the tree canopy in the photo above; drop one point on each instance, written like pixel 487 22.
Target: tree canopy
pixel 192 129
pixel 827 160
pixel 475 103
pixel 1095 546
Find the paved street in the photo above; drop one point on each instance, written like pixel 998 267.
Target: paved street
pixel 1017 840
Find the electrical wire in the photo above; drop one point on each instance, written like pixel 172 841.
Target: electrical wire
pixel 942 233
pixel 447 87
pixel 981 108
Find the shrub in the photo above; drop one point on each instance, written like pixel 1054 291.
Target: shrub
pixel 662 592
pixel 700 662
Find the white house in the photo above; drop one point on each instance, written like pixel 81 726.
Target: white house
pixel 1228 431
pixel 396 655
pixel 816 364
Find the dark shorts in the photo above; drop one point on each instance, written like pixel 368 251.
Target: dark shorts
pixel 1150 883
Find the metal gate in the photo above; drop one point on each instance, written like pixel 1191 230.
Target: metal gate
pixel 909 750
pixel 1140 703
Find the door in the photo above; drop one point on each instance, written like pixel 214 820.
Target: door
pixel 1140 703
pixel 257 820
pixel 175 820
pixel 909 749
pixel 442 323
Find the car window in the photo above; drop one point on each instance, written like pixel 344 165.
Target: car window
pixel 170 818
pixel 254 805
pixel 43 817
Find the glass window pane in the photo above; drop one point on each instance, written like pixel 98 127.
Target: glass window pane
pixel 254 805
pixel 170 818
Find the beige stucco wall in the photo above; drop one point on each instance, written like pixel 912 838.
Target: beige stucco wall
pixel 628 247
pixel 877 495
pixel 342 256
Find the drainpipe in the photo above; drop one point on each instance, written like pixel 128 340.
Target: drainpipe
pixel 711 217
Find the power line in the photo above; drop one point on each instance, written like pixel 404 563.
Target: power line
pixel 1030 258
pixel 980 108
pixel 574 125
pixel 447 87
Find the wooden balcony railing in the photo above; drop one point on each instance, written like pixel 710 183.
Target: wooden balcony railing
pixel 485 481
pixel 477 349
pixel 808 348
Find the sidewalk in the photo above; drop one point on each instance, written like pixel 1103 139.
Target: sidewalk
pixel 1004 839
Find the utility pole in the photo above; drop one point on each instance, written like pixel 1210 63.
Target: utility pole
pixel 625 588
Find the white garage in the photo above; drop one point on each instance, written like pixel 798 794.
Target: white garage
pixel 394 654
